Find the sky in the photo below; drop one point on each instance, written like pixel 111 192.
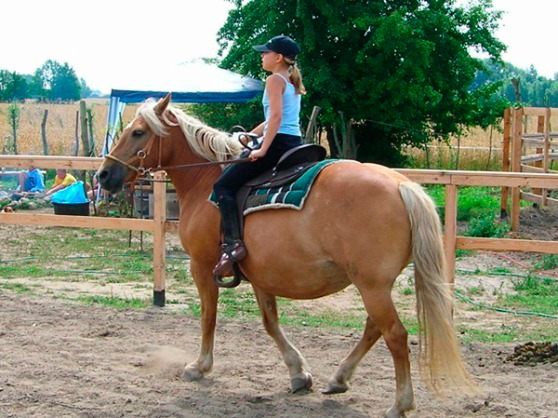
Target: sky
pixel 108 42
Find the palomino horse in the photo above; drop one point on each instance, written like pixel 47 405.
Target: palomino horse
pixel 361 224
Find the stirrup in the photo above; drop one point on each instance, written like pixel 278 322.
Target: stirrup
pixel 232 253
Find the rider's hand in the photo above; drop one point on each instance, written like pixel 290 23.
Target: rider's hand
pixel 258 153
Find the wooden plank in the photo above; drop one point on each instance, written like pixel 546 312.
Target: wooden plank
pixel 517 130
pixel 159 247
pixel 536 198
pixel 531 169
pixel 546 152
pixel 427 176
pixel 450 230
pixel 536 111
pixel 504 244
pixel 538 136
pixel 42 161
pixel 76 221
pixel 539 157
pixel 505 161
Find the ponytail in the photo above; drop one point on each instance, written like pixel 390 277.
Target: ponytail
pixel 296 76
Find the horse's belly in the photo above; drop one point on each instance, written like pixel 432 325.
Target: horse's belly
pixel 300 281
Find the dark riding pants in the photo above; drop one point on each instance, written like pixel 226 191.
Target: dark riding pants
pixel 236 175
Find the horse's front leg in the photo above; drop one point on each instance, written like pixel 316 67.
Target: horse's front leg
pixel 209 295
pixel 301 379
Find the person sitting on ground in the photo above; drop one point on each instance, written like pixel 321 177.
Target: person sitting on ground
pixel 62 180
pixel 31 181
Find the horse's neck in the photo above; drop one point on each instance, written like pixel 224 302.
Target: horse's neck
pixel 193 185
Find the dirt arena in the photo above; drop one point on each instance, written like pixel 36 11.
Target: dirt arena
pixel 65 359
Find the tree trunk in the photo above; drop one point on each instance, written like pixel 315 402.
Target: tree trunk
pixel 43 132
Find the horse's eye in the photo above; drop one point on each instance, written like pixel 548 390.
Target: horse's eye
pixel 137 133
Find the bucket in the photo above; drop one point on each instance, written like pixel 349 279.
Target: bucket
pixel 76 209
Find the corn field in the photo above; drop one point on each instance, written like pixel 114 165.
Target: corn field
pixel 62 127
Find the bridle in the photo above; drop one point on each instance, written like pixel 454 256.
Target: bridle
pixel 142 153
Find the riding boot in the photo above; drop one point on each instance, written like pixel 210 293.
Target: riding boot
pixel 233 249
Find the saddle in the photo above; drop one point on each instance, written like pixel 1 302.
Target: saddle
pixel 293 164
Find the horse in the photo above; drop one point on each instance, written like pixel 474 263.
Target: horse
pixel 361 224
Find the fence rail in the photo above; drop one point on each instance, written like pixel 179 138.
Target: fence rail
pixel 159 226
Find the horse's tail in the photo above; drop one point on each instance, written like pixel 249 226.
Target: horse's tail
pixel 440 362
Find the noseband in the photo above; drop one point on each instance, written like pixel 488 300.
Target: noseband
pixel 141 154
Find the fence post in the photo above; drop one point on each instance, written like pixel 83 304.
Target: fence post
pixel 159 247
pixel 506 161
pixel 450 230
pixel 517 135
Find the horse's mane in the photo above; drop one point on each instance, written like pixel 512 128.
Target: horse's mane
pixel 205 141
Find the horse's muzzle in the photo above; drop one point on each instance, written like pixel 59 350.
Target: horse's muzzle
pixel 112 178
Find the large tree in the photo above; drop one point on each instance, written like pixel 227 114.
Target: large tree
pixel 399 71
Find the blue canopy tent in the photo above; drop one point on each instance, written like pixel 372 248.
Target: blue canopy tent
pixel 188 83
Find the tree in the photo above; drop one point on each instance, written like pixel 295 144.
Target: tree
pixel 13 86
pixel 399 71
pixel 54 81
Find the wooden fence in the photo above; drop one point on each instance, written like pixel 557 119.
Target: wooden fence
pixel 529 146
pixel 159 226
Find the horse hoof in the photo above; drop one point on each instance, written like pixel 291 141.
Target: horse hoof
pixel 394 413
pixel 299 384
pixel 334 388
pixel 191 373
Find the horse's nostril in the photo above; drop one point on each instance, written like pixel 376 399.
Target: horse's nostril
pixel 102 175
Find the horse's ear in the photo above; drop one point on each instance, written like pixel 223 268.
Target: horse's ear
pixel 162 105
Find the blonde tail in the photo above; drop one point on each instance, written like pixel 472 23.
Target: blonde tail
pixel 440 362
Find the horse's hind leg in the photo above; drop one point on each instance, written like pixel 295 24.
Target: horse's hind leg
pixel 301 379
pixel 381 311
pixel 339 382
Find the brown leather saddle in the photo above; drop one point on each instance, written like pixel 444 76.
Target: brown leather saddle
pixel 293 164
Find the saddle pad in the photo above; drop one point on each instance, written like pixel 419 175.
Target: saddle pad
pixel 291 196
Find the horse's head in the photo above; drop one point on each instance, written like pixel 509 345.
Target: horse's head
pixel 137 148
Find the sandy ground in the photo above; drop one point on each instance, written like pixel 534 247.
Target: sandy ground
pixel 60 358
pixel 63 359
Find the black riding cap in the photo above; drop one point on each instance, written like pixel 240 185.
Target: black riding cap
pixel 280 44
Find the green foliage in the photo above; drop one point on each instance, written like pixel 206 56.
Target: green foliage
pixel 534 90
pixel 534 294
pixel 401 72
pixel 13 86
pixel 14 112
pixel 472 202
pixel 548 262
pixel 225 116
pixel 54 81
pixel 487 226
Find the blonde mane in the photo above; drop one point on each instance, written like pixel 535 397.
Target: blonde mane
pixel 205 141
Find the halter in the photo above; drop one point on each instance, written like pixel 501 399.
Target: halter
pixel 142 153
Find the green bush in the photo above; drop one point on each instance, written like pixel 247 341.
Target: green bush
pixel 487 226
